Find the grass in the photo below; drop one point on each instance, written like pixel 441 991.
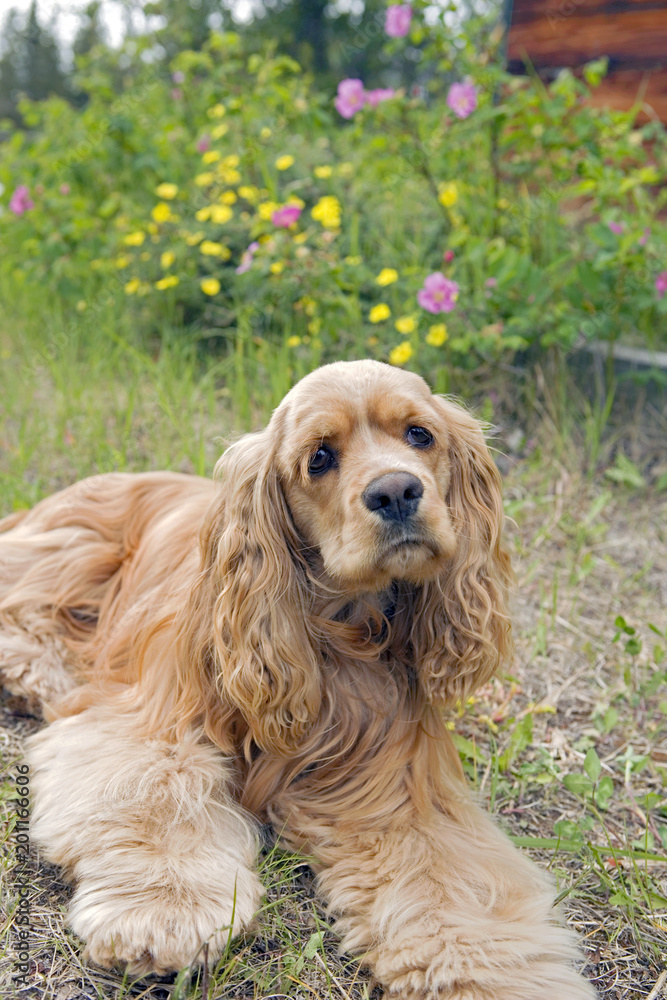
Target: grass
pixel 568 751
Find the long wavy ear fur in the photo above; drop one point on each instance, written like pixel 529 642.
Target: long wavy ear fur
pixel 253 590
pixel 460 632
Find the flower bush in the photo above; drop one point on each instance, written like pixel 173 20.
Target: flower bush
pixel 245 207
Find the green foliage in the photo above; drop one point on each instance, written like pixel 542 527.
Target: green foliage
pixel 148 199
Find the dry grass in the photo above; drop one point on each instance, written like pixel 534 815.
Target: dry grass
pixel 586 551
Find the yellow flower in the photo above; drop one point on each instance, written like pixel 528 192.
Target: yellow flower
pixel 211 249
pixel 300 237
pixel 220 130
pixel 284 162
pixel 373 341
pixel 277 267
pixel 205 179
pixel 166 191
pixel 405 324
pixel 308 304
pixel 448 194
pixel 162 212
pixel 265 209
pixel 167 259
pixel 194 238
pixel 212 156
pixel 400 354
pixel 203 214
pixel 228 197
pixel 387 276
pixel 293 341
pixel 121 262
pixel 135 239
pixel 327 211
pixel 379 312
pixel 295 200
pixel 265 133
pixel 249 193
pixel 221 214
pixel 229 176
pixel 437 335
pixel 132 286
pixel 217 111
pixel 210 286
pixel 323 172
pixel 232 160
pixel 169 282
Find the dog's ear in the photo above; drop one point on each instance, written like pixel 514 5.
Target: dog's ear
pixel 252 601
pixel 460 630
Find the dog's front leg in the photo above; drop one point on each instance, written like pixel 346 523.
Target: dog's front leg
pixel 160 855
pixel 449 909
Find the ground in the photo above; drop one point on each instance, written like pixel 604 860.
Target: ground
pixel 569 751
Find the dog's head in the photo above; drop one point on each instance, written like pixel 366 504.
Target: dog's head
pixel 363 483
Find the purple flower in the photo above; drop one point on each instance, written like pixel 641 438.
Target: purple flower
pixel 397 20
pixel 661 284
pixel 373 97
pixel 643 240
pixel 21 201
pixel 351 97
pixel 284 217
pixel 616 227
pixel 64 189
pixel 462 99
pixel 246 259
pixel 178 76
pixel 203 144
pixel 439 294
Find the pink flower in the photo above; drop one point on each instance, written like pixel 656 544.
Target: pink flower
pixel 178 76
pixel 351 97
pixel 284 217
pixel 448 256
pixel 397 20
pixel 373 97
pixel 64 188
pixel 661 284
pixel 616 227
pixel 643 240
pixel 246 259
pixel 21 201
pixel 203 144
pixel 439 294
pixel 462 99
pixel 491 282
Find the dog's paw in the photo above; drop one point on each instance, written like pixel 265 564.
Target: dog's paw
pixel 159 933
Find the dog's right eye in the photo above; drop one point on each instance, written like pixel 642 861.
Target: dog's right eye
pixel 323 460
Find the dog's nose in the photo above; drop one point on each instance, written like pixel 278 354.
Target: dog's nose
pixel 394 496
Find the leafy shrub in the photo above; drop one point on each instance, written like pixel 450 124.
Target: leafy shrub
pixel 541 214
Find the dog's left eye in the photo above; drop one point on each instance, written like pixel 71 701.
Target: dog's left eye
pixel 419 437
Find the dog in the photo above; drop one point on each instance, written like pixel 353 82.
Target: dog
pixel 279 645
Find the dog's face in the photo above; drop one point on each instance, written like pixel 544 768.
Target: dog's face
pixel 364 462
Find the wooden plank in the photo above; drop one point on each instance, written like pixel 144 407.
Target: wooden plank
pixel 622 89
pixel 559 11
pixel 625 38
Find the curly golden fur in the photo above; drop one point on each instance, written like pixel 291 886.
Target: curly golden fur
pixel 349 583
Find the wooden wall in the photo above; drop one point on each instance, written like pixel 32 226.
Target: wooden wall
pixel 553 34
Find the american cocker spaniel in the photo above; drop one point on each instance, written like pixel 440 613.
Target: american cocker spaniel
pixel 279 645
